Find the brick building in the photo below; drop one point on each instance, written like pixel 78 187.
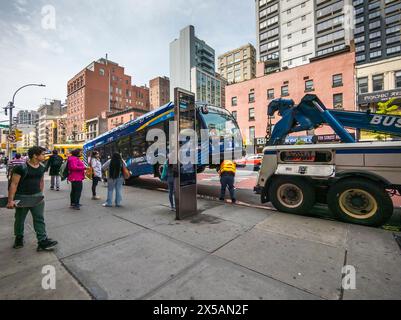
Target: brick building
pixel 159 92
pixel 330 78
pixel 119 118
pixel 101 86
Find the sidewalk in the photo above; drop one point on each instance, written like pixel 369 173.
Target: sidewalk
pixel 226 252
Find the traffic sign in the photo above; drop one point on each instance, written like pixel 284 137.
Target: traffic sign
pixel 11 138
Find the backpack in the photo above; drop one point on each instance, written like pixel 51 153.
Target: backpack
pixel 64 171
pixel 58 161
pixel 163 176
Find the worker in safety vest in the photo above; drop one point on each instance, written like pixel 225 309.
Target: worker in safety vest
pixel 227 176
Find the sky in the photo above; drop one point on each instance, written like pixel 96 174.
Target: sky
pixel 43 41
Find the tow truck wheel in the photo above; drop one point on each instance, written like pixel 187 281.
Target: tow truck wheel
pixel 360 201
pixel 292 195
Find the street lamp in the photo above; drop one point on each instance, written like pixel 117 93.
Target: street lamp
pixel 11 107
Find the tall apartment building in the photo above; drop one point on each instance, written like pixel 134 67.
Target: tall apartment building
pixel 101 86
pixel 188 52
pixel 297 30
pixel 159 92
pixel 48 114
pixel 333 25
pixel 27 117
pixel 290 33
pixel 268 33
pixel 238 65
pixel 377 30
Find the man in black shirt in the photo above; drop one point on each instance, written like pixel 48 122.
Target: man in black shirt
pixel 27 182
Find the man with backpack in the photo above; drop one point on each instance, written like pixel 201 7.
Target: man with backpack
pixel 54 163
pixel 27 182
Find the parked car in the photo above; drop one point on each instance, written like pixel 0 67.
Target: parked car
pixel 252 160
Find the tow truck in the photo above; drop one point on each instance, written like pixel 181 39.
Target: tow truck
pixel 355 179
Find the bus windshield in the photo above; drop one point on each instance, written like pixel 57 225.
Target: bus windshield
pixel 220 123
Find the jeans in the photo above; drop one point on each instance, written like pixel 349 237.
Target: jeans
pixel 37 215
pixel 76 190
pixel 171 192
pixel 227 181
pixel 95 181
pixel 116 184
pixel 55 180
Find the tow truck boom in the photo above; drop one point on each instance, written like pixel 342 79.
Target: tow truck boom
pixel 311 113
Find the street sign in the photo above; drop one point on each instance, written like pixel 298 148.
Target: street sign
pixel 11 138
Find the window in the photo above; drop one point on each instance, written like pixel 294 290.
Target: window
pixel 289 36
pixel 251 114
pixel 362 85
pixel 251 134
pixel 398 79
pixel 375 44
pixel 303 18
pixel 309 85
pixel 289 24
pixel 375 35
pixel 337 80
pixel 101 72
pixel 338 101
pixel 234 101
pixel 392 19
pixel 374 15
pixel 393 50
pixel 375 24
pixel 375 54
pixel 289 49
pixel 284 91
pixel 304 30
pixel 234 113
pixel 251 97
pixel 378 82
pixel 304 44
pixel 270 94
pixel 360 58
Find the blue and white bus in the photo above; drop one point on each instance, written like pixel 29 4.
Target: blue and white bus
pixel 129 139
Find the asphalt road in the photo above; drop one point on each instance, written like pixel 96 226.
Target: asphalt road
pixel 209 186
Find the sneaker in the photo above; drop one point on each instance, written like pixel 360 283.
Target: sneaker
pixel 221 199
pixel 46 245
pixel 172 209
pixel 76 208
pixel 106 205
pixel 95 198
pixel 18 243
pixel 233 200
pixel 58 189
pixel 51 188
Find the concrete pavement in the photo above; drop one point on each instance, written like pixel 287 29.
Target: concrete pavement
pixel 226 252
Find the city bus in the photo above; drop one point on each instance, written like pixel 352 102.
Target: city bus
pixel 129 139
pixel 64 150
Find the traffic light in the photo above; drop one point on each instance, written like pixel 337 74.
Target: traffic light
pixel 18 135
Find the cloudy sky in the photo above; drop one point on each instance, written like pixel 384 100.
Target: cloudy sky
pixel 39 47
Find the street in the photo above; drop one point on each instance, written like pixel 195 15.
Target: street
pixel 246 179
pixel 227 251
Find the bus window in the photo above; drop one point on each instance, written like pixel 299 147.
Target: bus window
pixel 138 144
pixel 124 147
pixel 109 150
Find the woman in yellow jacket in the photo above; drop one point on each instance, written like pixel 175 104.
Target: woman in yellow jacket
pixel 227 175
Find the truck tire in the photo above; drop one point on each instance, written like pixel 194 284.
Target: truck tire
pixel 292 194
pixel 360 201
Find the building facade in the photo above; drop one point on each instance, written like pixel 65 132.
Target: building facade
pixel 119 118
pixel 48 115
pixel 330 78
pixel 290 33
pixel 187 52
pixel 159 90
pixel 238 65
pixel 377 30
pixel 208 89
pixel 101 86
pixel 29 117
pixel 379 88
pixel 96 126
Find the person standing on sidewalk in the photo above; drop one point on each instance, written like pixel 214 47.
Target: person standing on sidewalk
pixel 26 182
pixel 168 175
pixel 115 179
pixel 96 172
pixel 76 174
pixel 18 160
pixel 227 176
pixel 54 163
